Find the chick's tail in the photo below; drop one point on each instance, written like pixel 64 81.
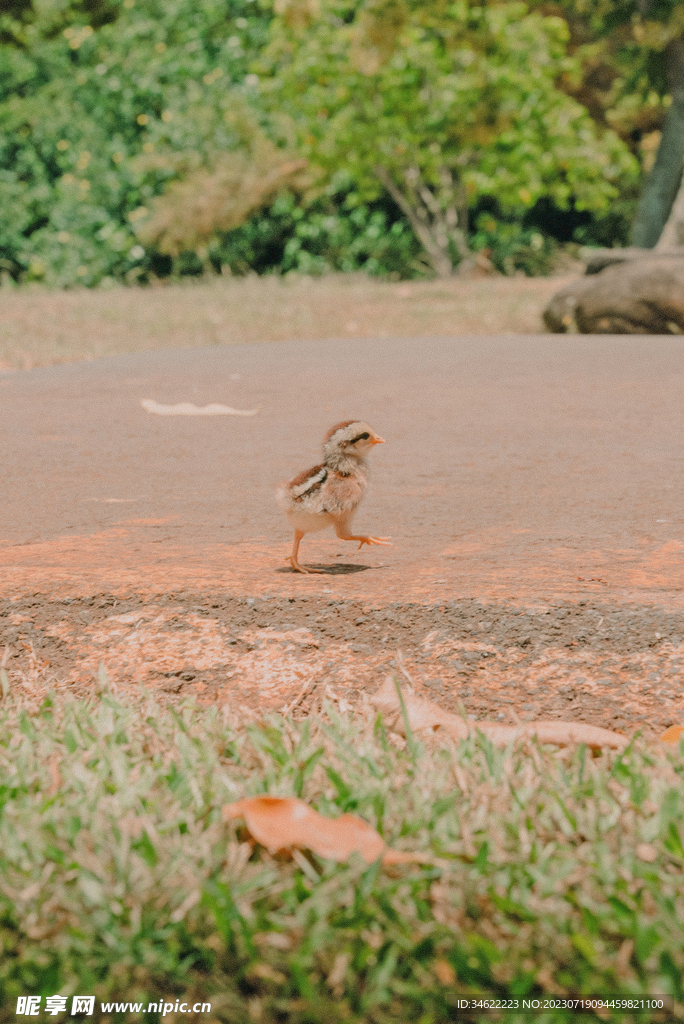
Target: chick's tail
pixel 283 497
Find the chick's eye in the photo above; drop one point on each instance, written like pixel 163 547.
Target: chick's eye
pixel 363 437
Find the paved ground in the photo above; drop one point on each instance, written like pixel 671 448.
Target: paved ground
pixel 522 476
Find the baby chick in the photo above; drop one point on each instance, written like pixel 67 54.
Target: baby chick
pixel 329 494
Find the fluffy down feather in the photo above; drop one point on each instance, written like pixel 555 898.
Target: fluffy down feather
pixel 329 494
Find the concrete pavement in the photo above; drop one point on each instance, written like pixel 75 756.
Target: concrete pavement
pixel 521 467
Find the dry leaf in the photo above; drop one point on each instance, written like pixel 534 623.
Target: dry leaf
pixel 188 409
pixel 284 823
pixel 425 715
pixel 446 975
pixel 647 853
pixel 673 734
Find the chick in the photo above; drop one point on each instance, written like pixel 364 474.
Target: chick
pixel 329 494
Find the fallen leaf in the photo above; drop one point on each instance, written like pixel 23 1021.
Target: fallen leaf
pixel 188 409
pixel 284 823
pixel 425 715
pixel 673 734
pixel 445 972
pixel 338 972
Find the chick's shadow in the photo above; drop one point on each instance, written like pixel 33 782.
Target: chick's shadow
pixel 336 569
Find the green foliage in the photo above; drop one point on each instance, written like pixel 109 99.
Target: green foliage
pixel 335 231
pixel 473 91
pixel 512 247
pixel 618 71
pixel 118 877
pixel 460 104
pixel 139 137
pixel 80 110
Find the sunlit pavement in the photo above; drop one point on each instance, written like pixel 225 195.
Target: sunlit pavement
pixel 516 467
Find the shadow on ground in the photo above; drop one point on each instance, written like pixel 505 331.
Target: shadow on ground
pixel 336 569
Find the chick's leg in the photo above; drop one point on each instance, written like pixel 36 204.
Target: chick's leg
pixel 342 531
pixel 294 559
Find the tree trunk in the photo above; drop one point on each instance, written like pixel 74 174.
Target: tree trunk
pixel 673 232
pixel 663 182
pixel 436 224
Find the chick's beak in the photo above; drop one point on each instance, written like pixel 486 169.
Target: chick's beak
pixel 378 440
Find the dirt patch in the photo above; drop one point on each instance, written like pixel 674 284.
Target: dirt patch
pixel 620 667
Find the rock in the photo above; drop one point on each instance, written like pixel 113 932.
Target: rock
pixel 596 260
pixel 639 296
pixel 561 313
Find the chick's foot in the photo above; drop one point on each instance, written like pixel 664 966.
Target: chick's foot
pixel 300 568
pixel 370 540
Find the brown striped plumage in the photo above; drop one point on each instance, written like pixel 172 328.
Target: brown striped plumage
pixel 330 493
pixel 301 478
pixel 338 426
pixel 308 482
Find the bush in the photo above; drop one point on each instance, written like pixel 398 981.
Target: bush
pixel 513 247
pixel 335 232
pixel 82 113
pixel 117 118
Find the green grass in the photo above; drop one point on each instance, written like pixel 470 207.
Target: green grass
pixel 119 879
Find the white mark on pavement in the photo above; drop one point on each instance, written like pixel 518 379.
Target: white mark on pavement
pixel 188 409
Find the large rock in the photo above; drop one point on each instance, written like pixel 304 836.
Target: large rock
pixel 596 260
pixel 639 296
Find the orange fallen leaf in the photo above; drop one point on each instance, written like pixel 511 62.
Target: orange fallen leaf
pixel 445 972
pixel 281 823
pixel 673 734
pixel 425 715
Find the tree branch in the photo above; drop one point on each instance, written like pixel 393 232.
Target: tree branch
pixel 438 258
pixel 435 224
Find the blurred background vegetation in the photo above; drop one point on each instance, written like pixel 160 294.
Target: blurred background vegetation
pixel 142 139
